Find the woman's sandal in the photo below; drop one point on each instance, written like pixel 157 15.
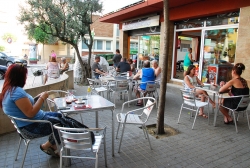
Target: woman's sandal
pixel 44 150
pixel 203 115
pixel 53 152
pixel 50 151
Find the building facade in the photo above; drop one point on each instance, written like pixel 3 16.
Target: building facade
pixel 215 30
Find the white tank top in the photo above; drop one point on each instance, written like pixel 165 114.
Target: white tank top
pixel 192 80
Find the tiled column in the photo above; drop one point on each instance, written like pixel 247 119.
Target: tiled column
pixel 123 43
pixel 242 47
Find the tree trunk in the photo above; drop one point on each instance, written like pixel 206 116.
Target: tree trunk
pixel 160 112
pixel 83 65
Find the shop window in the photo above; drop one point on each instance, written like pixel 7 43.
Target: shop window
pixel 108 45
pixel 222 21
pixel 84 46
pixel 189 25
pixel 219 54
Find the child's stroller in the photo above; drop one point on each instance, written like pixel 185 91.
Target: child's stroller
pixel 179 66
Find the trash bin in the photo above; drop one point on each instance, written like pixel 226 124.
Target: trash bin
pixel 109 58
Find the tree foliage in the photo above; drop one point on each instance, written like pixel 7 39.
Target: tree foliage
pixel 40 36
pixel 67 20
pixel 2 48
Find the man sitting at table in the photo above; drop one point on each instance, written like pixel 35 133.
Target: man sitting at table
pixel 97 68
pixel 146 74
pixel 123 66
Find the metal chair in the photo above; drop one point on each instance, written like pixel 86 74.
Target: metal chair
pixel 24 137
pixel 52 95
pixel 96 86
pixel 133 117
pixel 151 90
pixel 56 94
pixel 189 98
pixel 80 139
pixel 244 102
pixel 119 88
pixel 54 73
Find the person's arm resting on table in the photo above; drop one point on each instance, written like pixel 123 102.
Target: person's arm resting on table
pixel 225 88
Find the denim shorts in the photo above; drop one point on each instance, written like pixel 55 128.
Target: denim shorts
pixel 36 130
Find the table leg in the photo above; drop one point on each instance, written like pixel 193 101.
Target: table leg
pixel 113 133
pixel 96 119
pixel 216 113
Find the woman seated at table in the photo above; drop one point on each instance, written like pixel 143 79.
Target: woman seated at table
pixel 190 82
pixel 235 87
pixel 17 103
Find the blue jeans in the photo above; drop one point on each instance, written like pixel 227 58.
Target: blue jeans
pixel 36 130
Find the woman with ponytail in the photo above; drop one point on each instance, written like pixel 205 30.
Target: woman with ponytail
pixel 235 87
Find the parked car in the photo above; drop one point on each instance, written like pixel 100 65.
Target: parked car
pixel 3 70
pixel 6 60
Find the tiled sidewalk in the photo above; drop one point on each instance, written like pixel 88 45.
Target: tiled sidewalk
pixel 205 146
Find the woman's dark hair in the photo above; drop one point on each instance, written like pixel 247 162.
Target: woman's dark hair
pixel 117 50
pixel 130 61
pixel 52 59
pixel 189 69
pixel 15 76
pixel 239 68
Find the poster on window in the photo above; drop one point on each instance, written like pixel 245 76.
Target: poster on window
pixel 212 74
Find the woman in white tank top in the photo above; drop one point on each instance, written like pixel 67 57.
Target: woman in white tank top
pixel 190 82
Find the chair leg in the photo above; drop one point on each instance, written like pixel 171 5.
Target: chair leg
pixel 180 113
pixel 208 118
pixel 144 132
pixel 148 137
pixel 24 156
pixel 118 129
pixel 20 141
pixel 121 137
pixel 96 160
pixel 235 122
pixel 195 117
pixel 61 152
pixel 105 152
pixel 247 120
pixel 33 81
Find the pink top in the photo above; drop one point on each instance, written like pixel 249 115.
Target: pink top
pixel 53 55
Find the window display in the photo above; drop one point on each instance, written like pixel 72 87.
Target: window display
pixel 219 54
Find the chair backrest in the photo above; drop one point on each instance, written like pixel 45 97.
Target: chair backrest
pixel 52 95
pixel 12 119
pixel 53 73
pixel 121 85
pixel 149 106
pixel 151 86
pixel 244 102
pixel 188 97
pixel 75 138
pixel 93 83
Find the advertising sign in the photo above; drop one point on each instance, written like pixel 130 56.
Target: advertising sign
pixel 141 23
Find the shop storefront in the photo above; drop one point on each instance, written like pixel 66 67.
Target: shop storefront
pixel 213 41
pixel 217 32
pixel 147 30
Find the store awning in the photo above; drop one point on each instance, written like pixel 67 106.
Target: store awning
pixel 178 9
